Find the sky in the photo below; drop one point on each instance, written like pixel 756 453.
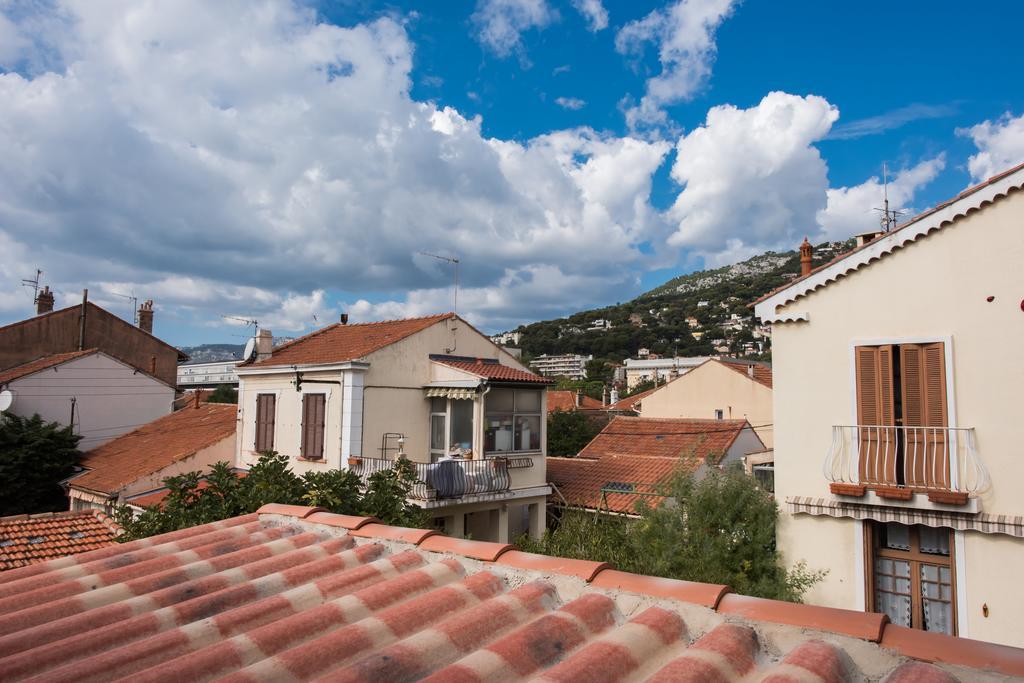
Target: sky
pixel 287 161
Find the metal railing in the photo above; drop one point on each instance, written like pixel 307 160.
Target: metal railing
pixel 448 479
pixel 919 458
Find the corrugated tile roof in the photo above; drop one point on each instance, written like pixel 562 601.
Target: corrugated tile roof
pixel 688 438
pixel 630 402
pixel 32 367
pixel 493 370
pixel 339 342
pixel 156 445
pixel 27 539
pixel 762 371
pixel 565 400
pixel 299 594
pixel 580 480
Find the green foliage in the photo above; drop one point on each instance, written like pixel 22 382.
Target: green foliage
pixel 639 388
pixel 589 387
pixel 225 393
pixel 34 456
pixel 225 494
pixel 569 432
pixel 718 529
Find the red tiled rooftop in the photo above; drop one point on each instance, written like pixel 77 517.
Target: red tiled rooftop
pixel 290 595
pixel 762 373
pixel 493 370
pixel 580 480
pixel 630 402
pixel 27 539
pixel 565 400
pixel 32 367
pixel 688 438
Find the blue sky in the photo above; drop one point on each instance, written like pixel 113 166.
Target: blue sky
pixel 289 161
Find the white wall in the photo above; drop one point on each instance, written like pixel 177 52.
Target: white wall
pixel 111 398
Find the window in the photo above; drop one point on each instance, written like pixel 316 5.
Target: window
pixel 451 427
pixel 719 414
pixel 911 575
pixel 266 405
pixel 313 411
pixel 513 421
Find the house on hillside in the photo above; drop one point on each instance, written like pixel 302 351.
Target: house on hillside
pixel 897 411
pixel 661 369
pixel 135 464
pixel 632 456
pixel 719 389
pixel 99 396
pixel 433 390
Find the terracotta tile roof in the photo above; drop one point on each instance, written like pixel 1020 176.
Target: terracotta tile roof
pixel 493 370
pixel 762 371
pixel 689 438
pixel 580 480
pixel 299 594
pixel 32 367
pixel 565 400
pixel 156 445
pixel 630 402
pixel 338 343
pixel 28 539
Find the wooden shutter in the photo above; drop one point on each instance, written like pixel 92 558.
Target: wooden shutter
pixel 265 411
pixel 923 391
pixel 313 409
pixel 875 411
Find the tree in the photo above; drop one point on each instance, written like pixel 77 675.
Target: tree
pixel 569 432
pixel 639 388
pixel 35 456
pixel 717 529
pixel 225 393
pixel 191 501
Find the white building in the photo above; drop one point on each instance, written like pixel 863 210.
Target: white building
pixel 207 375
pixel 642 370
pixel 573 366
pixel 507 338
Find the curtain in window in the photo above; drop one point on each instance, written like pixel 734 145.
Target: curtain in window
pixel 937 598
pixel 892 590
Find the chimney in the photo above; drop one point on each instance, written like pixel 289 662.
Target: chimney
pixel 264 344
pixel 579 397
pixel 806 252
pixel 614 397
pixel 865 237
pixel 344 318
pixel 44 301
pixel 146 316
pixel 750 371
pixel 604 396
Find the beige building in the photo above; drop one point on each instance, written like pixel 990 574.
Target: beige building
pixel 898 417
pixel 663 369
pixel 434 390
pixel 722 389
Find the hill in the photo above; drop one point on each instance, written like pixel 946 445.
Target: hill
pixel 702 313
pixel 211 353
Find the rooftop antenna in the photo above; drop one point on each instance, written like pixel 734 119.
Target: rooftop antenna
pixel 255 323
pixel 34 284
pixel 135 304
pixel 454 261
pixel 889 217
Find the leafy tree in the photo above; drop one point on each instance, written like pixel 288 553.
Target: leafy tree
pixel 34 456
pixel 640 388
pixel 569 432
pixel 225 393
pixel 191 501
pixel 717 529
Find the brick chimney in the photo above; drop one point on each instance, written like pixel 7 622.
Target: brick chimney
pixel 146 316
pixel 806 252
pixel 264 344
pixel 44 301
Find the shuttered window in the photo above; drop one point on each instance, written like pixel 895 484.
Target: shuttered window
pixel 923 393
pixel 875 410
pixel 266 408
pixel 313 410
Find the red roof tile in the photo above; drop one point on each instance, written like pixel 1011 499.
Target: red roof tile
pixel 580 480
pixel 156 445
pixel 339 342
pixel 32 367
pixel 690 438
pixel 762 371
pixel 27 539
pixel 629 404
pixel 565 400
pixel 289 598
pixel 493 370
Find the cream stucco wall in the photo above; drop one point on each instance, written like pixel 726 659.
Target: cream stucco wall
pixel 713 386
pixel 935 289
pixel 111 398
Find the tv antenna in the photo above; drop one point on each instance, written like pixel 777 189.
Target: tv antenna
pixel 247 321
pixel 34 284
pixel 455 262
pixel 889 217
pixel 135 304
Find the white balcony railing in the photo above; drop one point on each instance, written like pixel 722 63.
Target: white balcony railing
pixel 449 479
pixel 918 458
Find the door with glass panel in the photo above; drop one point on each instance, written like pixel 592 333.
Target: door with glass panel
pixel 911 575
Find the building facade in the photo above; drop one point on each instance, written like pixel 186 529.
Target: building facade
pixel 639 370
pixel 207 375
pixel 570 365
pixel 897 410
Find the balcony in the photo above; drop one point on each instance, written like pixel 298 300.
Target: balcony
pixel 452 479
pixel 896 463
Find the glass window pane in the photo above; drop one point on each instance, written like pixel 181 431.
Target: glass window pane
pixel 462 425
pixel 438 405
pixel 499 401
pixel 527 432
pixel 896 536
pixel 934 541
pixel 897 607
pixel 498 434
pixel 437 432
pixel 527 401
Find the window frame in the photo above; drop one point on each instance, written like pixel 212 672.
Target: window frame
pixel 322 395
pixel 516 414
pixel 915 558
pixel 273 422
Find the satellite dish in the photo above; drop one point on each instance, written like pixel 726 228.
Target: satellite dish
pixel 6 400
pixel 250 350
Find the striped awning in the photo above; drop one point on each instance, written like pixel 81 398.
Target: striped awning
pixel 455 393
pixel 1011 525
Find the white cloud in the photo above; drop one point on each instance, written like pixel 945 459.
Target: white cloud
pixel 685 38
pixel 239 157
pixel 851 210
pixel 890 120
pixel 752 178
pixel 501 23
pixel 1000 146
pixel 573 103
pixel 594 12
